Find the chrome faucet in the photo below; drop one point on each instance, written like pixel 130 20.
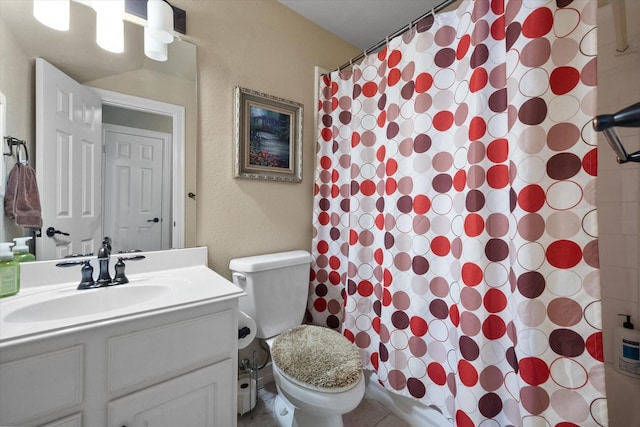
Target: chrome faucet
pixel 104 278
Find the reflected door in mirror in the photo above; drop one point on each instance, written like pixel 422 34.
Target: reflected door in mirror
pixel 68 158
pixel 137 176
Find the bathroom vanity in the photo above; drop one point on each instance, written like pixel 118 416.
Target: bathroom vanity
pixel 159 350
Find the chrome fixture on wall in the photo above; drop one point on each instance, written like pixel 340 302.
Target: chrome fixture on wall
pixel 606 123
pixel 160 20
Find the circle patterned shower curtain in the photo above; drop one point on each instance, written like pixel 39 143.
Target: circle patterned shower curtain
pixel 455 235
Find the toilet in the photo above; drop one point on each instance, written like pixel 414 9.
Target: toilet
pixel 318 372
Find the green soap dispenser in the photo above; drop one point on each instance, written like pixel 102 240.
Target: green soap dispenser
pixel 9 271
pixel 21 250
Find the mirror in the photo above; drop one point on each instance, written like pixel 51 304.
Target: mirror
pixel 75 53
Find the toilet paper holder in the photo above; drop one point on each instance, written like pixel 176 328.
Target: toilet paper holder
pixel 247 329
pixel 248 385
pixel 243 332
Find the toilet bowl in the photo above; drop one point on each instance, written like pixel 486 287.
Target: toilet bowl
pixel 300 404
pixel 318 372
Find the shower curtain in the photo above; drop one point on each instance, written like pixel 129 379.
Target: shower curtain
pixel 455 236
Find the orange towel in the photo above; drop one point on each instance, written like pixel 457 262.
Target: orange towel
pixel 22 199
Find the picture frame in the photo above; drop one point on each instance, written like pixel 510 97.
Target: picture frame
pixel 268 137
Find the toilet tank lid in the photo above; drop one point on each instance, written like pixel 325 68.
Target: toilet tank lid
pixel 269 261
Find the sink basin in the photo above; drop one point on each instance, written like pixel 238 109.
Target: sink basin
pixel 49 305
pixel 84 302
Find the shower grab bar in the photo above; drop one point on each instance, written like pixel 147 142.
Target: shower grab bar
pixel 606 123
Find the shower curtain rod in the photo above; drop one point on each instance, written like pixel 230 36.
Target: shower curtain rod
pixel 402 30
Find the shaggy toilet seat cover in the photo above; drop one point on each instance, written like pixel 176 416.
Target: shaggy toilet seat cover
pixel 317 356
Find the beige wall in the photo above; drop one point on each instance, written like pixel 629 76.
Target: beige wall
pixel 618 197
pixel 20 114
pixel 263 46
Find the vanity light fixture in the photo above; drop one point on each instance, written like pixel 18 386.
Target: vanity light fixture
pixel 52 13
pixel 158 17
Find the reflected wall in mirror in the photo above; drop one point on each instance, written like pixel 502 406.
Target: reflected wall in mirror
pixel 75 53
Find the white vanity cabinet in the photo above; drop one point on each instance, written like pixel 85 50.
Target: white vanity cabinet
pixel 197 398
pixel 173 364
pixel 171 369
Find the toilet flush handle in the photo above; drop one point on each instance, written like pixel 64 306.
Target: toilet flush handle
pixel 241 277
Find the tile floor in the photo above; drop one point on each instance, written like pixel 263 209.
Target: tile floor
pixel 368 414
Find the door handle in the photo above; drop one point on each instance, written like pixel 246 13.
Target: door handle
pixel 52 231
pixel 156 219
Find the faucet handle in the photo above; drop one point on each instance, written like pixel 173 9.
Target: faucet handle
pixel 78 255
pixel 86 282
pixel 120 278
pixel 132 258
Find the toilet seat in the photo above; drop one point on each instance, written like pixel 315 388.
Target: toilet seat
pixel 314 387
pixel 317 358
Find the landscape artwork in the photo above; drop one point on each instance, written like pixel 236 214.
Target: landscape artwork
pixel 268 137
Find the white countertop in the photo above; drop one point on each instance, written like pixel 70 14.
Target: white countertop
pixel 172 280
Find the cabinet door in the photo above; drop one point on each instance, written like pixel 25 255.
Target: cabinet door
pixel 72 421
pixel 202 398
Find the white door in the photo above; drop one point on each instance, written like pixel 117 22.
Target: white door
pixel 137 170
pixel 68 164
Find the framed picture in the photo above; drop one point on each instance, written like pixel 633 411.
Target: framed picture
pixel 268 137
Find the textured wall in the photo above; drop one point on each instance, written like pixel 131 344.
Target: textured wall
pixel 263 46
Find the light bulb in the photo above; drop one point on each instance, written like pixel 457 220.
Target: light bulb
pixel 110 24
pixel 52 13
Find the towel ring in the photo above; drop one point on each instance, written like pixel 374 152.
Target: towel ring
pixel 21 146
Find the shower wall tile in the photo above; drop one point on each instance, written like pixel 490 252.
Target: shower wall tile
pixel 618 93
pixel 618 250
pixel 619 185
pixel 619 283
pixel 624 94
pixel 622 218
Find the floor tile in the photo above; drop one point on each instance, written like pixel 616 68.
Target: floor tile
pixel 368 414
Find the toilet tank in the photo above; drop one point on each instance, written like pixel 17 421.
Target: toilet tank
pixel 277 287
